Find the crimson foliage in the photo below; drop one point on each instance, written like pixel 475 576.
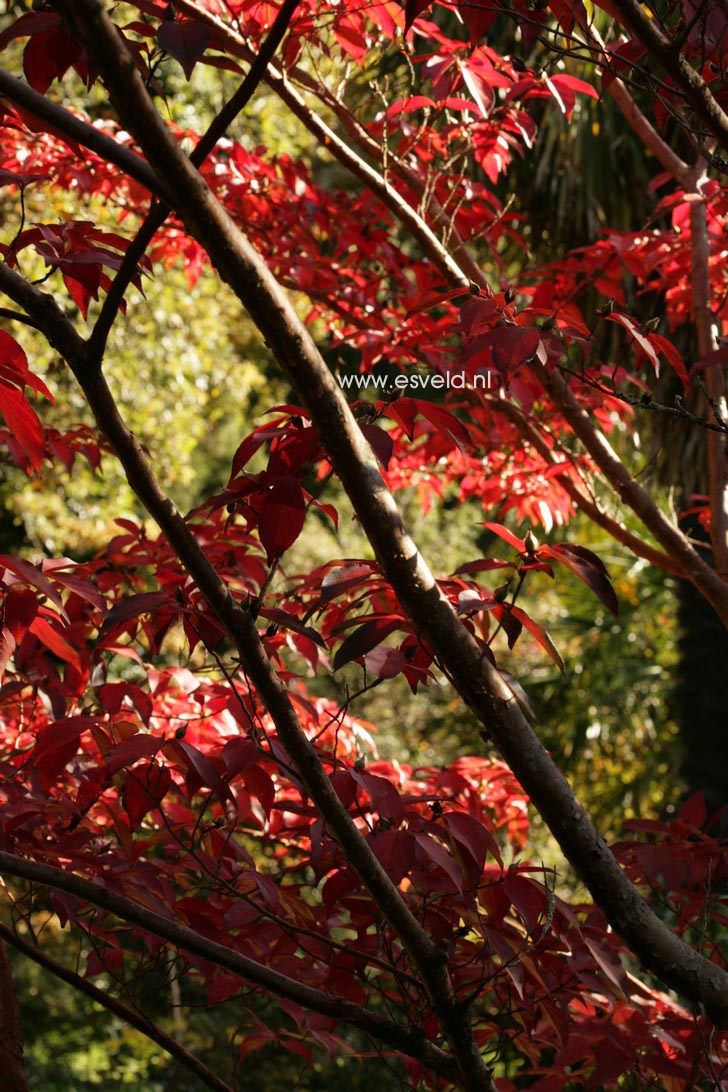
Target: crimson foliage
pixel 359 893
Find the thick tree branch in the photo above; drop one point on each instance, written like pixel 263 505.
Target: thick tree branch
pixel 412 1043
pixel 475 677
pixel 130 1016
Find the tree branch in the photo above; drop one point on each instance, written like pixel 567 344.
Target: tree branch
pixel 128 1015
pixel 670 537
pixel 667 54
pixel 159 213
pixel 457 272
pixel 477 680
pixel 63 122
pixel 643 128
pixel 582 499
pixel 412 1043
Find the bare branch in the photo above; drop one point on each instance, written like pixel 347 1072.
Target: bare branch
pixel 670 537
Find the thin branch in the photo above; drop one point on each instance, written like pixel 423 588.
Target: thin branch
pixel 582 499
pixel 18 316
pixel 339 1009
pixel 113 1004
pixel 667 53
pixel 158 213
pixel 643 128
pixel 672 540
pixel 460 272
pixel 66 124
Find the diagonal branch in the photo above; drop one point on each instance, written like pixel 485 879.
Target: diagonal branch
pixel 641 125
pixel 130 1016
pixel 476 679
pixel 667 54
pixel 630 492
pixel 583 501
pixel 410 1042
pixel 76 129
pixel 460 271
pixel 158 213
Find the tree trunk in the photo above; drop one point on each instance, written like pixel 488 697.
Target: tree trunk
pixel 701 698
pixel 11 1034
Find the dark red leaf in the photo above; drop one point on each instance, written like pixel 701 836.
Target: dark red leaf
pixel 185 40
pixel 145 603
pixel 281 517
pixel 23 422
pixel 588 567
pixel 365 638
pixel 144 789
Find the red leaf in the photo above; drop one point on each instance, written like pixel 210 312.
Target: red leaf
pixel 385 662
pixel 289 621
pixel 710 360
pixel 49 636
pixel 61 733
pixel 19 608
pixel 380 442
pixel 132 607
pixel 668 350
pixel 365 638
pixel 131 750
pixel 641 340
pixel 507 536
pixel 588 567
pixel 31 574
pixel 394 850
pixel 443 420
pixel 440 857
pixel 281 517
pixel 23 422
pixel 541 635
pixel 514 346
pixel 192 757
pixel 474 838
pixel 260 785
pixel 144 789
pixel 185 40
